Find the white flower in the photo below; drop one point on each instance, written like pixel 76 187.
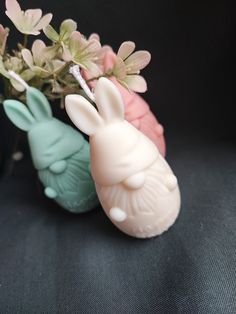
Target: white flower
pixel 41 59
pixel 83 52
pixel 29 22
pixel 128 65
pixel 66 29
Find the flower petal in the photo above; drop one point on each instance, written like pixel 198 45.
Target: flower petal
pixel 37 47
pixel 119 69
pixel 41 72
pixel 3 71
pixel 50 32
pixel 50 52
pixel 28 22
pixel 4 32
pixel 28 58
pixel 32 17
pixel 137 61
pixel 90 49
pixel 45 20
pixel 27 75
pixel 18 86
pixel 13 10
pixel 14 63
pixel 92 68
pixel 38 51
pixel 67 28
pixel 57 65
pixel 28 32
pixel 74 44
pixel 126 49
pixel 94 36
pixel 66 55
pixel 136 83
pixel 105 49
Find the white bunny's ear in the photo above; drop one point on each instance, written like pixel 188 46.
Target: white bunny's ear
pixel 83 114
pixel 109 100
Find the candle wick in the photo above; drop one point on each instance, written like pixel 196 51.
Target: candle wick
pixel 18 79
pixel 75 71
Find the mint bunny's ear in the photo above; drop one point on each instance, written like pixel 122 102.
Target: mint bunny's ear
pixel 18 114
pixel 38 104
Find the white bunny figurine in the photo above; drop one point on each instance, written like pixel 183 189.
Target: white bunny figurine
pixel 135 185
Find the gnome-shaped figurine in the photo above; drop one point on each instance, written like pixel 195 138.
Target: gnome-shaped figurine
pixel 59 152
pixel 137 110
pixel 135 185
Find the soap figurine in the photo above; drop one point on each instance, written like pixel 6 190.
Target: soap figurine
pixel 135 185
pixel 59 152
pixel 137 111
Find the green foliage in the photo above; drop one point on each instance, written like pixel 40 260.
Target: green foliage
pixel 47 67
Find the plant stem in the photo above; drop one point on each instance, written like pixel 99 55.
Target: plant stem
pixel 6 88
pixel 25 40
pixel 59 79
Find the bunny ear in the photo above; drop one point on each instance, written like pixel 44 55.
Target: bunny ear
pixel 38 104
pixel 83 114
pixel 18 114
pixel 109 100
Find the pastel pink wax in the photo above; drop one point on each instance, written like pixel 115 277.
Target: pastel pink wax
pixel 137 111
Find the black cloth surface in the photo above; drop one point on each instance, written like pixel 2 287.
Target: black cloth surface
pixel 55 262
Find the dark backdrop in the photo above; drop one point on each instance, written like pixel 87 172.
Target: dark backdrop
pixel 54 262
pixel 191 77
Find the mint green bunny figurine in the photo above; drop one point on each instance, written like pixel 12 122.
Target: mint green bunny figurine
pixel 59 152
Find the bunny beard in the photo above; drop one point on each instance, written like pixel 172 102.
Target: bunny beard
pixel 71 180
pixel 143 206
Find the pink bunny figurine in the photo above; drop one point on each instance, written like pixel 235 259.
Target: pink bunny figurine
pixel 137 110
pixel 135 185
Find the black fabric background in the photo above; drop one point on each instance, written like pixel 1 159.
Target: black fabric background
pixel 55 262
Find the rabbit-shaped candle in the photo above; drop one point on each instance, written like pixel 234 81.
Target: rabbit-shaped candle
pixel 138 113
pixel 137 110
pixel 59 152
pixel 135 185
